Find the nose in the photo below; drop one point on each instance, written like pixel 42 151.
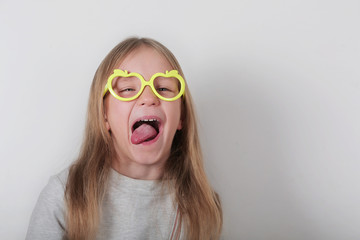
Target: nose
pixel 148 98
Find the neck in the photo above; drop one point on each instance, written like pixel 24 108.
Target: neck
pixel 137 171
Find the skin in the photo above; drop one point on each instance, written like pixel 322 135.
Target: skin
pixel 142 161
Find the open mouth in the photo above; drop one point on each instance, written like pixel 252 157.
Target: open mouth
pixel 145 130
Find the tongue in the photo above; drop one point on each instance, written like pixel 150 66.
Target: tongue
pixel 143 133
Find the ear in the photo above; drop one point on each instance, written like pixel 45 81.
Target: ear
pixel 179 127
pixel 107 125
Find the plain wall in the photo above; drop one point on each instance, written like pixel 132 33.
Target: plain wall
pixel 276 85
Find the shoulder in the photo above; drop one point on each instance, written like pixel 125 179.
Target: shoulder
pixel 54 190
pixel 56 185
pixel 47 220
pixel 60 179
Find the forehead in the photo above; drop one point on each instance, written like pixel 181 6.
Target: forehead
pixel 146 61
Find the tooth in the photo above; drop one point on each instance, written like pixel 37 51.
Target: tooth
pixel 149 120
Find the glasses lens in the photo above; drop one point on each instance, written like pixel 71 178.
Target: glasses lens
pixel 126 87
pixel 167 87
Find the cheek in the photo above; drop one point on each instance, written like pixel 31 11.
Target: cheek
pixel 117 114
pixel 174 115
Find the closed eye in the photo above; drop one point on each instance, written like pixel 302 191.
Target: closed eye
pixel 163 89
pixel 127 90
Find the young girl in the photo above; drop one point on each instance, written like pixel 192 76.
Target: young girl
pixel 140 171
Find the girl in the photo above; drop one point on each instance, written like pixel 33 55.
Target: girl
pixel 140 171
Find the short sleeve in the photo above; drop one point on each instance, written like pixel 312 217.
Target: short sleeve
pixel 47 220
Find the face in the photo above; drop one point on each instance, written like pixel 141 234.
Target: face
pixel 132 123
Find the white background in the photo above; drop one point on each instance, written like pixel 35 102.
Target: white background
pixel 276 85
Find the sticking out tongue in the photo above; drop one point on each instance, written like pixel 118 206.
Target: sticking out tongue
pixel 143 133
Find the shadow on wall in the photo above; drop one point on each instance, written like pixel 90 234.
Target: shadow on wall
pixel 241 118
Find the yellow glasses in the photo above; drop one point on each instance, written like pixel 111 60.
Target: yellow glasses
pixel 125 86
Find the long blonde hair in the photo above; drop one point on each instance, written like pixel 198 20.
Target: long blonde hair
pixel 199 206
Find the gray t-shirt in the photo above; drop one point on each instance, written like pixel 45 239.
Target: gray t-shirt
pixel 132 209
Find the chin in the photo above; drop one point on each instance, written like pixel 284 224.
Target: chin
pixel 148 160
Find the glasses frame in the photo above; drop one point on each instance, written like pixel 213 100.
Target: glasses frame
pixel 144 83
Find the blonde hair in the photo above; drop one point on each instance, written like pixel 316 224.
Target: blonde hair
pixel 199 206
